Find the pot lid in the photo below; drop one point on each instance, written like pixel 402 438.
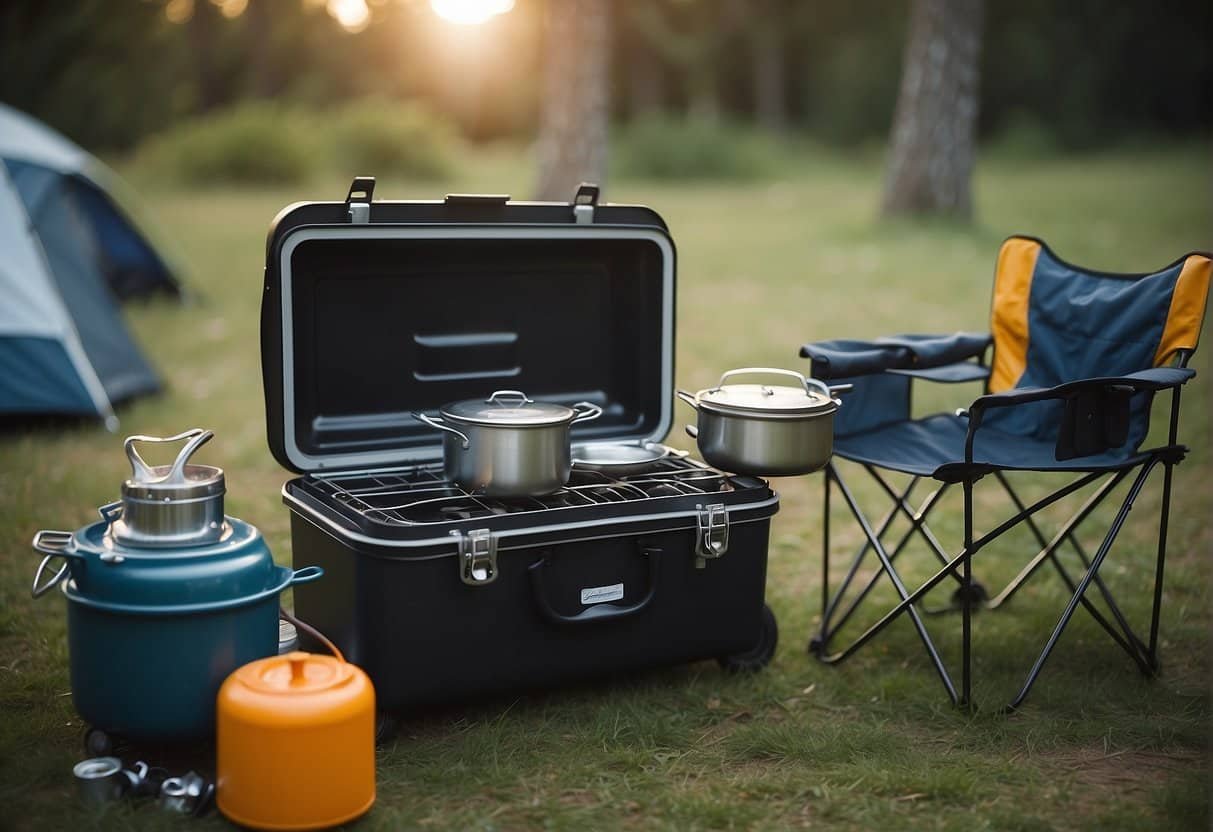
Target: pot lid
pixel 296 673
pixel 509 408
pixel 768 399
pixel 238 565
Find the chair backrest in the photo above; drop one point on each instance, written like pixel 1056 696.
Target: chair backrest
pixel 1054 322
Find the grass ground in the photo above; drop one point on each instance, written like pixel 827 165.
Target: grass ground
pixel 870 744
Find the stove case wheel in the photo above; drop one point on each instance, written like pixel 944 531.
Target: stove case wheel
pixel 759 656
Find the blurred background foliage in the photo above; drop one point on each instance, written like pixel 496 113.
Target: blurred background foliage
pixel 187 83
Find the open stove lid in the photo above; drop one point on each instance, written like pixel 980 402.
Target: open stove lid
pixel 373 310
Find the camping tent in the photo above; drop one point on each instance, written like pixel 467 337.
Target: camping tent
pixel 68 253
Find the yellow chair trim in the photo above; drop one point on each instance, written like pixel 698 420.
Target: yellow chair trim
pixel 1009 317
pixel 1187 311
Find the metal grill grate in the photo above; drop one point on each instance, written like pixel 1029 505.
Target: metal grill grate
pixel 420 495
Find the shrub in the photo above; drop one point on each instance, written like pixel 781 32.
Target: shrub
pixel 381 137
pixel 1023 136
pixel 253 143
pixel 667 148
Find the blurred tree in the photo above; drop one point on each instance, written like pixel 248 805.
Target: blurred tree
pixel 202 27
pixel 766 31
pixel 573 125
pixel 690 34
pixel 935 126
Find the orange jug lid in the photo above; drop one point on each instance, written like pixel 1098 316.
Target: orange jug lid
pixel 295 673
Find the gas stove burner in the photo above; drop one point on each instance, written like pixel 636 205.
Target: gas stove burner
pixel 421 496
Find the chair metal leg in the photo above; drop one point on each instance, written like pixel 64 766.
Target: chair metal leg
pixel 819 644
pixel 1126 638
pixel 1087 577
pixel 1152 652
pixel 832 605
pixel 966 599
pixel 879 549
pixel 917 520
pixel 1092 503
pixel 1163 519
pixel 947 569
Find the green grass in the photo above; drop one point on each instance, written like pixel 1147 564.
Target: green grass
pixel 869 744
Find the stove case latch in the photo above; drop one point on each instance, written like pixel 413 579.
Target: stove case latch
pixel 711 534
pixel 358 200
pixel 477 557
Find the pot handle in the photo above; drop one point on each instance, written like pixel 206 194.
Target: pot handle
pixel 688 398
pixel 110 512
pixel 692 431
pixel 53 545
pixel 143 472
pixel 438 425
pixel 523 398
pixel 587 411
pixel 597 612
pixel 306 575
pixel 765 371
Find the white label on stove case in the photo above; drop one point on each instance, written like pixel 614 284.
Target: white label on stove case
pixel 601 594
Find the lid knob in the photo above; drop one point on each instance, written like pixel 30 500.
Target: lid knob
pixel 298 662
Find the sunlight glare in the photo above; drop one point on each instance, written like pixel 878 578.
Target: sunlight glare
pixel 352 15
pixel 470 12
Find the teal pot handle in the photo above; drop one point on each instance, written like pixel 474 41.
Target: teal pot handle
pixel 306 574
pixel 597 612
pixel 53 545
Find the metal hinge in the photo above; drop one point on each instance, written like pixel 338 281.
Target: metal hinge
pixel 711 533
pixel 584 203
pixel 358 200
pixel 477 557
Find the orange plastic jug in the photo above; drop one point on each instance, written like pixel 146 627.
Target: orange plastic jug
pixel 296 743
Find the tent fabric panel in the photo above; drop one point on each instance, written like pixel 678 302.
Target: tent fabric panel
pixel 29 304
pixel 71 253
pixel 132 266
pixel 23 137
pixel 37 376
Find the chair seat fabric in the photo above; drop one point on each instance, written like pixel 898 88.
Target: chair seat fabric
pixel 925 446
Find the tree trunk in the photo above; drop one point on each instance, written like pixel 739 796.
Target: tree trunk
pixel 202 38
pixel 766 44
pixel 645 81
pixel 934 128
pixel 265 81
pixel 573 127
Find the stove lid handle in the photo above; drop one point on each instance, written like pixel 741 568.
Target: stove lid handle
pixel 596 612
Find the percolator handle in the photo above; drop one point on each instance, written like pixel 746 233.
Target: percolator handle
pixel 143 472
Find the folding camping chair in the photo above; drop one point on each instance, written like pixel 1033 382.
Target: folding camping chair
pixel 1077 358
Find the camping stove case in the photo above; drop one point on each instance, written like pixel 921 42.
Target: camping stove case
pixel 373 310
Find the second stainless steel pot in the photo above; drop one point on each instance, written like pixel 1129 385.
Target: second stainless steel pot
pixel 765 430
pixel 508 445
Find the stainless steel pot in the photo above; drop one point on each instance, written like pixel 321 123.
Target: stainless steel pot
pixel 765 430
pixel 508 445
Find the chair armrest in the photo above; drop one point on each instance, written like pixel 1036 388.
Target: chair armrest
pixel 1156 378
pixel 1096 413
pixel 847 358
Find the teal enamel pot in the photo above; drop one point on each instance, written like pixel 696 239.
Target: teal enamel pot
pixel 153 632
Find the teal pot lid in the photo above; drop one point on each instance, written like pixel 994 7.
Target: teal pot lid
pixel 236 566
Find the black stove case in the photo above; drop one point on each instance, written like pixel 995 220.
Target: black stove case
pixel 373 310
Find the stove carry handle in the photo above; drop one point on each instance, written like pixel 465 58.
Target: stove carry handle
pixel 597 612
